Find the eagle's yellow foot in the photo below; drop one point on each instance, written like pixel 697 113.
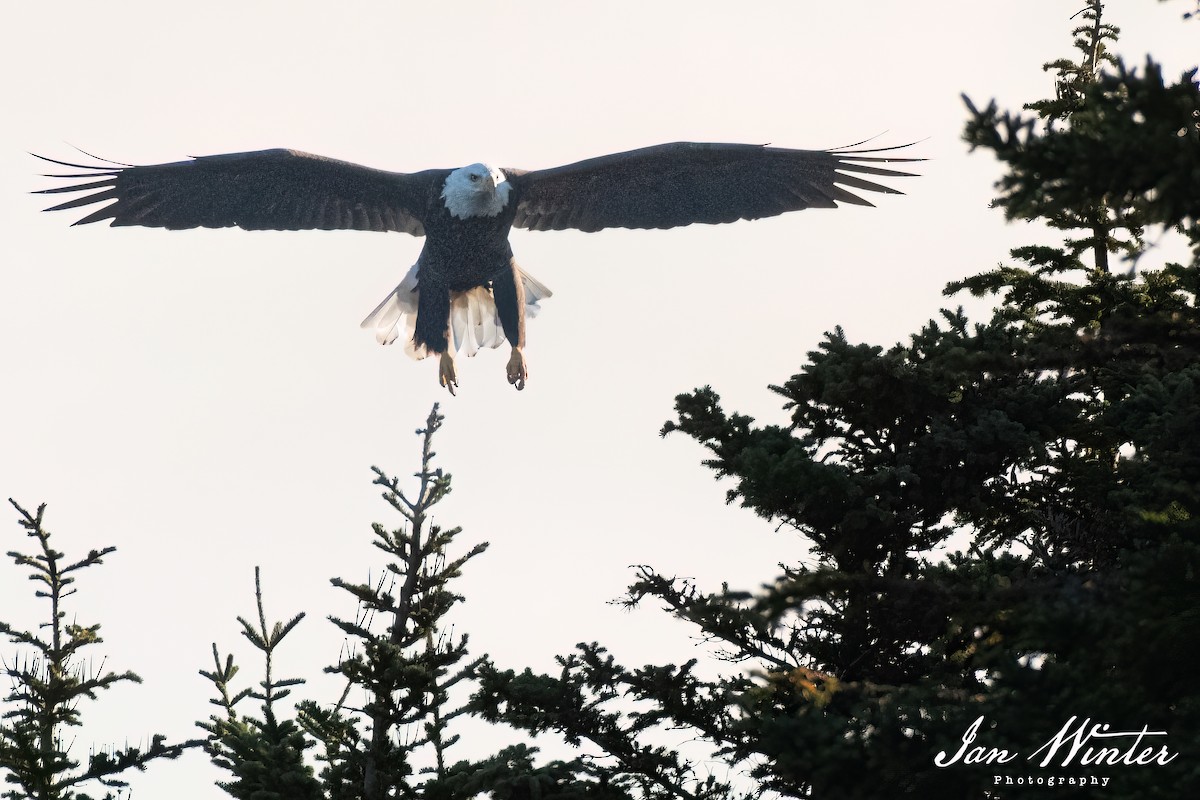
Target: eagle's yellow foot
pixel 447 375
pixel 518 373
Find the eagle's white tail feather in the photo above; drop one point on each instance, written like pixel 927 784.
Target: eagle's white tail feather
pixel 488 330
pixel 387 316
pixel 474 322
pixel 535 290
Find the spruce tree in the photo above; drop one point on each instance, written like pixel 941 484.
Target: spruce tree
pixel 52 679
pixel 266 753
pixel 1054 449
pixel 407 675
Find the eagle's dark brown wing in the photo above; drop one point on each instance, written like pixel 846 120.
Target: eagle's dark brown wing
pixel 678 184
pixel 263 190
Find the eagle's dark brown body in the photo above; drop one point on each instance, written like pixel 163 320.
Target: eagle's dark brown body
pixel 461 254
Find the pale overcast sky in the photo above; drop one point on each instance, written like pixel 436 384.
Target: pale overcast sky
pixel 205 400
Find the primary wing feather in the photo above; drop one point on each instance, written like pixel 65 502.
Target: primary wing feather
pixel 687 182
pixel 262 190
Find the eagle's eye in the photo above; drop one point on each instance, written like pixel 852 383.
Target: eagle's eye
pixel 474 178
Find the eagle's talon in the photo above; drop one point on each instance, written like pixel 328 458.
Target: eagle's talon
pixel 447 375
pixel 518 373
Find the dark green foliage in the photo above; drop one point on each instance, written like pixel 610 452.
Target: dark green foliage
pixel 266 756
pixel 404 673
pixel 49 684
pixel 512 775
pixel 586 705
pixel 1112 149
pixel 1003 515
pixel 388 734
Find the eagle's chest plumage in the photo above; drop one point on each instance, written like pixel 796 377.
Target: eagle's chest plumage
pixel 465 252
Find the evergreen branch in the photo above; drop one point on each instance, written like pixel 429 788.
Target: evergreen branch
pixel 103 766
pixel 539 703
pixel 25 637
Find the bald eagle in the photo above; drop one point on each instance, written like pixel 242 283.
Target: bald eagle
pixel 466 291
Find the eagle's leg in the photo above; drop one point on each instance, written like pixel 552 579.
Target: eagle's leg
pixel 509 294
pixel 433 329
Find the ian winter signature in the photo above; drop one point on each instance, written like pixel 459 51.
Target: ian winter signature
pixel 1082 743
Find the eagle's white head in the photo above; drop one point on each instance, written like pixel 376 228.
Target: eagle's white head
pixel 476 191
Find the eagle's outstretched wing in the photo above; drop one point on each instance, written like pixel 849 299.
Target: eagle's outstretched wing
pixel 263 190
pixel 678 184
